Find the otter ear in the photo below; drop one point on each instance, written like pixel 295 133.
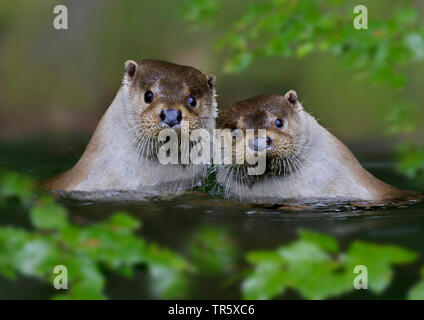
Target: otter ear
pixel 211 80
pixel 130 68
pixel 292 98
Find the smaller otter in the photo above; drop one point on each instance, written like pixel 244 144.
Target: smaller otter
pixel 122 154
pixel 304 161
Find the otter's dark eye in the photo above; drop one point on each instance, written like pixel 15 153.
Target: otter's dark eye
pixel 148 96
pixel 279 123
pixel 192 101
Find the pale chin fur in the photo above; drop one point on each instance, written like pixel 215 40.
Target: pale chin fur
pixel 111 162
pixel 327 170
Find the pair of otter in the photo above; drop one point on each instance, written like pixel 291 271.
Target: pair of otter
pixel 303 159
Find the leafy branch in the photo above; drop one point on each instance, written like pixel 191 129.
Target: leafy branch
pixel 296 29
pixel 86 251
pixel 314 267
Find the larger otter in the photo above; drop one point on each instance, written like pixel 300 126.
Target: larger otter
pixel 303 159
pixel 122 154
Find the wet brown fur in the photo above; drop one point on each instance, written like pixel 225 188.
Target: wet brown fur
pixel 121 152
pixel 305 161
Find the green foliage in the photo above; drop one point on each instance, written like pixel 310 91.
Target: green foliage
pixel 417 292
pixel 167 273
pixel 168 283
pixel 324 241
pixel 212 250
pixel 411 159
pixel 401 117
pixel 314 268
pixel 15 185
pixel 284 28
pixel 296 29
pixel 48 215
pixel 86 251
pixel 197 11
pixel 312 265
pixel 378 259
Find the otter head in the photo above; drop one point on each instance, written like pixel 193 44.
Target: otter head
pixel 282 143
pixel 162 95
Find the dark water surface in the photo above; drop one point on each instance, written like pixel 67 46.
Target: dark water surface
pixel 171 223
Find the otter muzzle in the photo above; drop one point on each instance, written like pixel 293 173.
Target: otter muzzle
pixel 259 144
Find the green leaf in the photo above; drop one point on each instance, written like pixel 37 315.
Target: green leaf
pixel 87 280
pixel 86 250
pixel 266 257
pixel 277 28
pixel 417 291
pixel 199 11
pixel 212 250
pixel 307 267
pixel 378 259
pixel 311 270
pixel 323 241
pixel 37 258
pixel 415 44
pixel 305 49
pixel 14 184
pixel 167 282
pixel 48 215
pixel 265 283
pixel 401 117
pixel 108 245
pixel 123 220
pixel 303 265
pixel 319 279
pixel 411 160
pixel 164 257
pixel 11 242
pixel 239 62
pixel 303 252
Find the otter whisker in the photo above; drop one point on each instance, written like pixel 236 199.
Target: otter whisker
pixel 230 178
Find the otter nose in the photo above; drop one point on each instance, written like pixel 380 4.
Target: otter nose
pixel 171 117
pixel 261 143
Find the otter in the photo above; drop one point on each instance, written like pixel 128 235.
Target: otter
pixel 122 153
pixel 304 161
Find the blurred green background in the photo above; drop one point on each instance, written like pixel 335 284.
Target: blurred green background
pixel 62 81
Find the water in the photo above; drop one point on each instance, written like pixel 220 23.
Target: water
pixel 172 222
